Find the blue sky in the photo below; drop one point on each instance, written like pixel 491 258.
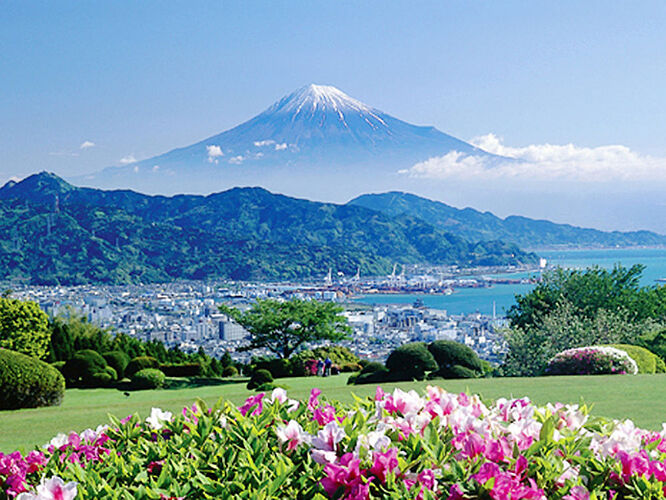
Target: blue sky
pixel 140 78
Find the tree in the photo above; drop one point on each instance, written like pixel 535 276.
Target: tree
pixel 24 327
pixel 281 327
pixel 588 291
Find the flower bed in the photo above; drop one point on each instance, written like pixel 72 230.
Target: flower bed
pixel 594 360
pixel 399 445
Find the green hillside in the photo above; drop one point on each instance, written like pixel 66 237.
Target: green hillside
pixel 523 231
pixel 52 232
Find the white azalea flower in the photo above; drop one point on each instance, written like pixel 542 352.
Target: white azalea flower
pixel 157 417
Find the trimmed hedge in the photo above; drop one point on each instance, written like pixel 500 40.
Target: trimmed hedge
pixel 27 382
pixel 456 372
pixel 259 378
pixel 148 378
pixel 139 363
pixel 117 360
pixel 229 371
pixel 182 369
pixel 448 353
pixel 81 369
pixel 646 360
pixel 410 361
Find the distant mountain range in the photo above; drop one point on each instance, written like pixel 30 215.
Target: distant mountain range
pixel 52 232
pixel 484 226
pixel 316 141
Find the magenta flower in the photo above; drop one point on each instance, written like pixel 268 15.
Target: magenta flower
pixel 253 402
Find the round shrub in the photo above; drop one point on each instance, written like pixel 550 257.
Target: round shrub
pixel 410 361
pixel 660 366
pixel 374 377
pixel 372 367
pixel 139 363
pixel 595 360
pixel 58 365
pixel 24 327
pixel 350 367
pixel 102 379
pixel 148 378
pixel 27 382
pixel 259 378
pixel 229 371
pixel 448 353
pixel 117 360
pixel 181 369
pixel 279 368
pixel 646 360
pixel 455 372
pixel 79 370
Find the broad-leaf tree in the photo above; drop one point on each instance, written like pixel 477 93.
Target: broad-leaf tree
pixel 281 327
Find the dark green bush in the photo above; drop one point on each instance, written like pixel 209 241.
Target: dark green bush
pixel 375 377
pixel 102 379
pixel 27 382
pixel 269 386
pixel 148 378
pixel 259 377
pixel 58 365
pixel 350 367
pixel 410 361
pixel 448 353
pixel 455 372
pixel 280 368
pixel 79 370
pixel 139 363
pixel 117 360
pixel 229 371
pixel 372 367
pixel 182 369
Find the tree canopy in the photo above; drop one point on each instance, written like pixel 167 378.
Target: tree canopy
pixel 576 308
pixel 282 327
pixel 588 291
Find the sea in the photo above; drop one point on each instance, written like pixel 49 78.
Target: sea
pixel 500 298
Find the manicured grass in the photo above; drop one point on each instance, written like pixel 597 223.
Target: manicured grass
pixel 641 398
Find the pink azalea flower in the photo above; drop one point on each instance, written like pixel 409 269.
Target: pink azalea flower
pixel 384 463
pixel 313 401
pixel 292 434
pixel 328 438
pixel 253 402
pixel 51 489
pixel 577 493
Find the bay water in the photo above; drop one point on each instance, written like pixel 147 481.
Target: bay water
pixel 501 297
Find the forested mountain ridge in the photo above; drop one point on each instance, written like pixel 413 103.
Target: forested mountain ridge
pixel 485 226
pixel 52 232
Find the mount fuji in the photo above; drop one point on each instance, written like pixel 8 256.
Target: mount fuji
pixel 316 142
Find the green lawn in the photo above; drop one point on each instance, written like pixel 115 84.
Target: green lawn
pixel 641 398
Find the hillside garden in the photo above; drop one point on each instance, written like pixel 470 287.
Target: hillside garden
pixel 263 442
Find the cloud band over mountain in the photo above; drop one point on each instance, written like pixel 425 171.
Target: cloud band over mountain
pixel 542 162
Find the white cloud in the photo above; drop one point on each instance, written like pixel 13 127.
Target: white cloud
pixel 87 145
pixel 543 162
pixel 63 153
pixel 265 142
pixel 136 169
pixel 126 160
pixel 156 168
pixel 214 152
pixel 237 160
pixel 280 147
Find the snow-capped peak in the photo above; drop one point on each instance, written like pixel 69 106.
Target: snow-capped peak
pixel 312 98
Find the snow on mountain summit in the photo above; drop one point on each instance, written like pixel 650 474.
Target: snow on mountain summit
pixel 312 98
